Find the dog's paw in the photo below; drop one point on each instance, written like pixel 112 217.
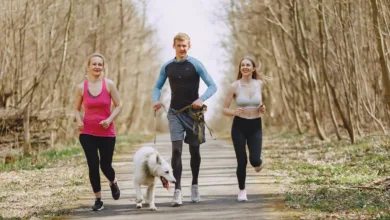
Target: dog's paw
pixel 152 208
pixel 139 205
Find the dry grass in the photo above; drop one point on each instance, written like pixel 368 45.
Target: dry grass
pixel 49 186
pixel 41 193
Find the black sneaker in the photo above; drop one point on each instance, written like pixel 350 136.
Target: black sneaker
pixel 98 205
pixel 115 191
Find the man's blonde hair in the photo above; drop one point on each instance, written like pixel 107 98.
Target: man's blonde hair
pixel 181 36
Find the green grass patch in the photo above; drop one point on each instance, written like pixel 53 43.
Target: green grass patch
pixel 53 154
pixel 50 157
pixel 42 160
pixel 325 176
pixel 126 142
pixel 327 199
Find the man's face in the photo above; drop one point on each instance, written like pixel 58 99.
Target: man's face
pixel 181 47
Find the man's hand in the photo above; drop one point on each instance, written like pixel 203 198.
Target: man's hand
pixel 197 104
pixel 157 106
pixel 262 109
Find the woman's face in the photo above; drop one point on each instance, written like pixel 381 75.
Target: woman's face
pixel 96 66
pixel 246 67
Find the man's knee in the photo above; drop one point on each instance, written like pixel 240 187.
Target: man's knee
pixel 177 147
pixel 176 153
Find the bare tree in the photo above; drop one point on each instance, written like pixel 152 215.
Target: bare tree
pixel 381 51
pixel 43 58
pixel 326 63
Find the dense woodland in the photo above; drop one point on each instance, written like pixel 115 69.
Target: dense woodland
pixel 43 56
pixel 325 63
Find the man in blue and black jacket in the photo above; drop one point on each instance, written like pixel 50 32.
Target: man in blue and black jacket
pixel 184 73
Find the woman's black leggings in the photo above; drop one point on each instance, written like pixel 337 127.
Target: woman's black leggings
pixel 105 145
pixel 246 131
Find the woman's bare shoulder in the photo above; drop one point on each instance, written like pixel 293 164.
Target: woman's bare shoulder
pixel 259 81
pixel 109 81
pixel 80 88
pixel 233 87
pixel 235 84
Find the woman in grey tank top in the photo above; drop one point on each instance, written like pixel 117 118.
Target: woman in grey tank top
pixel 246 127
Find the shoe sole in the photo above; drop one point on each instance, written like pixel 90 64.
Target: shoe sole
pixel 119 192
pixel 176 205
pixel 260 169
pixel 101 208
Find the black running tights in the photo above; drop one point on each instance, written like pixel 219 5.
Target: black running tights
pixel 105 146
pixel 176 163
pixel 246 131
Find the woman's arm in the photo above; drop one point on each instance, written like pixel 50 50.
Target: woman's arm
pixel 115 99
pixel 262 106
pixel 77 106
pixel 228 100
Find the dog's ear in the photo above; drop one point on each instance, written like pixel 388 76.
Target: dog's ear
pixel 158 159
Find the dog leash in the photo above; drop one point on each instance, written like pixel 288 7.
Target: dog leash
pixel 197 116
pixel 155 124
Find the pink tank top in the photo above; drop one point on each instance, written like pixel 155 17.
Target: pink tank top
pixel 96 109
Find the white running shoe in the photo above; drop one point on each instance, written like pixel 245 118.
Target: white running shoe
pixel 195 197
pixel 242 196
pixel 177 198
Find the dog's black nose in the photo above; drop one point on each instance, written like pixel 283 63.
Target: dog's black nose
pixel 173 181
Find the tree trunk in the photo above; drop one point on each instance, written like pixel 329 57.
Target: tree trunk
pixel 381 51
pixel 324 52
pixel 304 53
pixel 26 130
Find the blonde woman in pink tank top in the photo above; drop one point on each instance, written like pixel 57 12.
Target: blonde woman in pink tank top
pixel 97 133
pixel 247 125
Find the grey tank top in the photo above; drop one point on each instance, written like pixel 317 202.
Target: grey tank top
pixel 244 101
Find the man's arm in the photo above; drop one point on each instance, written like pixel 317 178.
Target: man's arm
pixel 211 87
pixel 159 84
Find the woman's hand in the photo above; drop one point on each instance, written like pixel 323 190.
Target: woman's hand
pixel 105 123
pixel 80 126
pixel 238 111
pixel 262 109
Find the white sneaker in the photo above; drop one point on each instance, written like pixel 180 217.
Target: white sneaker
pixel 195 197
pixel 177 198
pixel 242 196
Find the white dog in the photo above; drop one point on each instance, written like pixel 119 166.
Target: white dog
pixel 148 166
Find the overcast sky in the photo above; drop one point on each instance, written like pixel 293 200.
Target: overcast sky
pixel 194 17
